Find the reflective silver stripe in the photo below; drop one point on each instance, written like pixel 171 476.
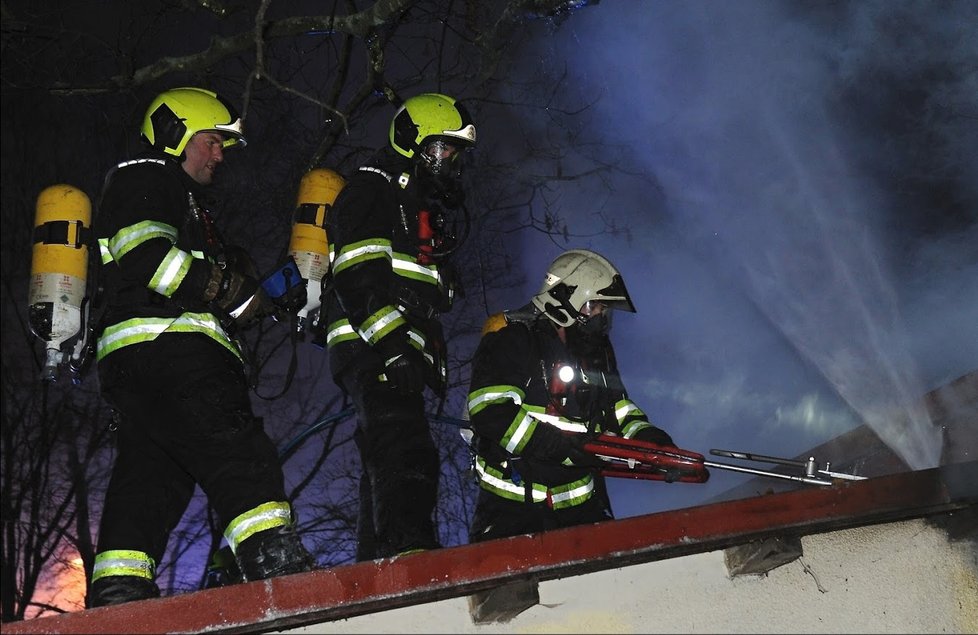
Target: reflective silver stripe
pixel 483 397
pixel 516 492
pixel 572 496
pixel 361 251
pixel 630 430
pixel 560 497
pixel 103 249
pixel 340 331
pixel 380 324
pixel 625 407
pixel 126 164
pixel 519 432
pixel 420 343
pixel 265 516
pixel 367 168
pixel 407 267
pixel 236 313
pixel 560 422
pixel 132 236
pixel 171 272
pixel 123 562
pixel 138 330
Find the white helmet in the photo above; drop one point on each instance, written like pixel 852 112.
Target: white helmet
pixel 575 278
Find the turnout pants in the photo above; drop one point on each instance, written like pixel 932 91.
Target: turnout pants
pixel 399 480
pixel 184 417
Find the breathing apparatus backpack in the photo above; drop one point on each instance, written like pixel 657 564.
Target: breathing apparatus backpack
pixel 309 245
pixel 60 294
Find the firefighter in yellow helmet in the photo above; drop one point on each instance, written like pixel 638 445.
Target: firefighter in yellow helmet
pixel 391 281
pixel 174 294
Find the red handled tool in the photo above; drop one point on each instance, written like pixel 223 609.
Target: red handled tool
pixel 629 458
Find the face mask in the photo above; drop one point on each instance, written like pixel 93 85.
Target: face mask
pixel 596 318
pixel 441 158
pixel 596 325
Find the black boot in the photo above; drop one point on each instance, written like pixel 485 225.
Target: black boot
pixel 273 552
pixel 117 589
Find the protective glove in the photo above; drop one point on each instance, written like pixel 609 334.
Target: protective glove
pixel 655 435
pixel 405 371
pixel 239 259
pixel 253 310
pixel 577 456
pixel 237 297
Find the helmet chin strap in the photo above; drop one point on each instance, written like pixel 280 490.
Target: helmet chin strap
pixel 562 294
pixel 587 325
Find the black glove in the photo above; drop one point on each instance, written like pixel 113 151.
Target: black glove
pixel 405 371
pixel 238 259
pixel 655 435
pixel 577 456
pixel 238 298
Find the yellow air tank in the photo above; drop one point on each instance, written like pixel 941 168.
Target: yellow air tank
pixel 59 271
pixel 309 245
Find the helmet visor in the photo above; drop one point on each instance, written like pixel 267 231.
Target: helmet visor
pixel 233 133
pixel 615 296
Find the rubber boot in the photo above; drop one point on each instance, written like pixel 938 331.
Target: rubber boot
pixel 118 589
pixel 273 552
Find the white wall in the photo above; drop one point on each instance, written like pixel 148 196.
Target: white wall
pixel 903 577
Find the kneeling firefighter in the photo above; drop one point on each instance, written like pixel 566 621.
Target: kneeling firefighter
pixel 173 296
pixel 544 382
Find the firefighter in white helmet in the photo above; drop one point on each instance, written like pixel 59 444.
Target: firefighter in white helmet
pixel 544 379
pixel 173 296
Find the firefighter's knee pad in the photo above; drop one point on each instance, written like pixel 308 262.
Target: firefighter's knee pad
pixel 118 589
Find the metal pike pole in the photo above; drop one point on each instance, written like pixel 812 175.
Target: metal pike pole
pixel 811 472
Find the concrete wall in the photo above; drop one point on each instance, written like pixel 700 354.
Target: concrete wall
pixel 900 577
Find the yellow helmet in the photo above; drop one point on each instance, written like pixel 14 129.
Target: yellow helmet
pixel 431 118
pixel 178 114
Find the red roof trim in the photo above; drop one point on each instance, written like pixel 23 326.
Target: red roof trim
pixel 351 590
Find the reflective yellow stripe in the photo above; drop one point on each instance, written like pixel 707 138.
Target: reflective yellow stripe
pixel 479 399
pixel 265 516
pixel 135 235
pixel 407 266
pixel 138 330
pixel 340 331
pixel 560 496
pixel 362 251
pixel 492 479
pixel 171 272
pixel 381 323
pixel 626 409
pixel 124 562
pixel 560 422
pixel 519 432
